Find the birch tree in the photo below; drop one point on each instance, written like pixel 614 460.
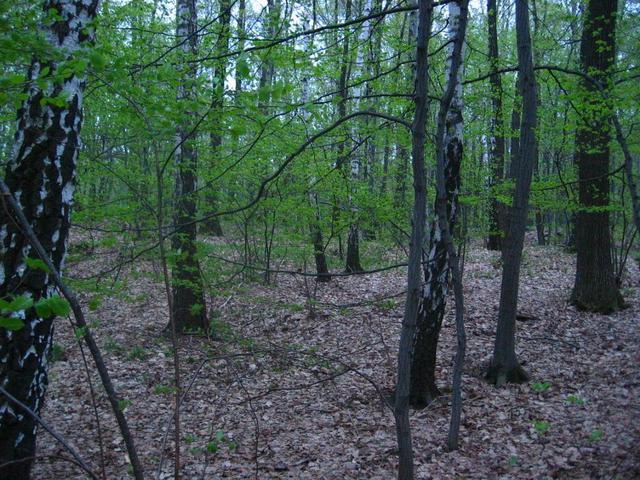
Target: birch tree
pixel 41 175
pixel 436 266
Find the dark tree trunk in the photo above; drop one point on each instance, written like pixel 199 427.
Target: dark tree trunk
pixel 496 151
pixel 504 364
pixel 400 191
pixel 353 250
pixel 322 269
pixel 595 286
pixel 358 160
pixel 412 305
pixel 628 168
pixel 41 175
pixel 189 307
pixel 267 71
pixel 542 240
pixel 436 268
pixel 241 20
pixel 212 225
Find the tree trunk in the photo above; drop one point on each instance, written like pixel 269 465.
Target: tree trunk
pixel 496 150
pixel 322 268
pixel 240 28
pixel 188 296
pixel 412 305
pixel 436 268
pixel 628 168
pixel 212 225
pixel 504 364
pixel 358 160
pixel 595 287
pixel 41 174
pixel 272 21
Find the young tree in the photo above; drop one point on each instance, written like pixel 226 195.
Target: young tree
pixel 504 364
pixel 41 175
pixel 188 303
pixel 437 266
pixel 362 67
pixel 413 300
pixel 595 287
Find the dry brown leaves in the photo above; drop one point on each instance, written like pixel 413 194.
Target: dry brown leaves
pixel 300 395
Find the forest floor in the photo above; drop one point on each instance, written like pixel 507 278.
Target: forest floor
pixel 294 388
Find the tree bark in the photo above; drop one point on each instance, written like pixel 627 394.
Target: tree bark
pixel 496 128
pixel 436 268
pixel 189 306
pixel 358 159
pixel 504 365
pixel 412 305
pixel 212 225
pixel 628 168
pixel 595 287
pixel 41 175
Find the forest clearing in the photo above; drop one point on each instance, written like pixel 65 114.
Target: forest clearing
pixel 319 239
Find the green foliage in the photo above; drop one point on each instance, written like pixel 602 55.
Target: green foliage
pixel 124 403
pixel 93 304
pixel 162 389
pixel 540 426
pixel 55 305
pixel 575 400
pixel 37 264
pixel 11 323
pixel 540 387
pixel 221 439
pixel 137 353
pixel 58 353
pixel 111 345
pixel 596 435
pixel 221 329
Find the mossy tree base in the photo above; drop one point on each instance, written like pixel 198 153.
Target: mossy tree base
pixel 604 304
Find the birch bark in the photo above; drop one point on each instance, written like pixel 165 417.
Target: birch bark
pixel 41 175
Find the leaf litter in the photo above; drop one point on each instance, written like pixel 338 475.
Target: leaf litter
pixel 295 387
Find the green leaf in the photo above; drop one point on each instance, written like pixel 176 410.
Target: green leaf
pixel 80 332
pixel 212 447
pixel 242 67
pixel 37 264
pixel 220 435
pixel 59 306
pixel 11 323
pixel 55 101
pixel 97 60
pixel 42 308
pixel 20 303
pixel 596 436
pixel 124 404
pixel 93 304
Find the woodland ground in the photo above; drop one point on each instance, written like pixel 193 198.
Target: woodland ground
pixel 301 395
